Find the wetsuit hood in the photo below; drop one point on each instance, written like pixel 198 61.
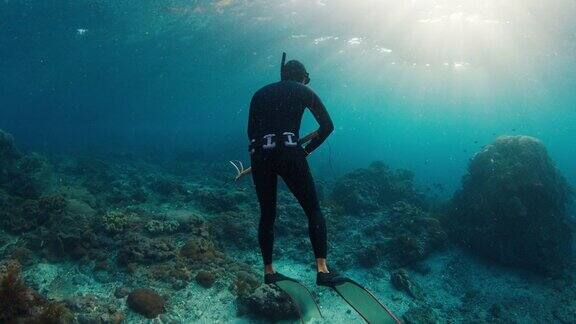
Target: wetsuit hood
pixel 294 70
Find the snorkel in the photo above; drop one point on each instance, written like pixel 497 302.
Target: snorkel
pixel 284 72
pixel 282 65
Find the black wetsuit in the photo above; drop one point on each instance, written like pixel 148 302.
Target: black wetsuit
pixel 273 129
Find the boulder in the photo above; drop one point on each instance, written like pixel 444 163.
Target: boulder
pixel 512 207
pixel 146 302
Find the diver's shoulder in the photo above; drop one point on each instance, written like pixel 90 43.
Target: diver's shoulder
pixel 267 88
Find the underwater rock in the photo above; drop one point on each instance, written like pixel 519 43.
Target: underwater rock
pixel 512 207
pixel 262 300
pixel 146 302
pixel 142 250
pixel 270 303
pixel 168 187
pixel 125 192
pixel 32 177
pixel 200 251
pixel 235 229
pixel 205 279
pixel 21 254
pixel 374 188
pixel 405 237
pixel 23 215
pixel 175 273
pixel 401 282
pixel 220 200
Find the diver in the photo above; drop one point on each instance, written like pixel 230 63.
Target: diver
pixel 275 116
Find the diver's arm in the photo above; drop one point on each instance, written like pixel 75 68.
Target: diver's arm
pixel 323 118
pixel 251 118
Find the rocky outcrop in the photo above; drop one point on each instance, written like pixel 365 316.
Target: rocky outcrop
pixel 375 188
pixel 512 207
pixel 146 302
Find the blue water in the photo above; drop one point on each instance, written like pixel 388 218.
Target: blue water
pixel 420 85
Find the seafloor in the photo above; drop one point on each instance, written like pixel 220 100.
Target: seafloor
pixel 80 235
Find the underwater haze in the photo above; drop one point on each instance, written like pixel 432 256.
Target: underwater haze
pixel 446 185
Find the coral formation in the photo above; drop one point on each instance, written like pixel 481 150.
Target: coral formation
pixel 146 302
pixel 262 301
pixel 111 225
pixel 142 250
pixel 374 188
pixel 217 201
pixel 512 206
pixel 162 226
pixel 116 221
pixel 9 154
pixel 205 279
pixel 401 282
pixel 20 304
pixel 200 251
pixel 235 229
pixel 14 298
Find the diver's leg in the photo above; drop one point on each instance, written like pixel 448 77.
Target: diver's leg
pixel 297 176
pixel 265 181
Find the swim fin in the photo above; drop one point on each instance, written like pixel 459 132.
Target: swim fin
pixel 305 304
pixel 363 301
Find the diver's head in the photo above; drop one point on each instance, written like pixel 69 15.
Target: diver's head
pixel 295 71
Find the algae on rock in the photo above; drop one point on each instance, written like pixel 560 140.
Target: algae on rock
pixel 512 207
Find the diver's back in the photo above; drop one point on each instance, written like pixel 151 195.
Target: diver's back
pixel 277 108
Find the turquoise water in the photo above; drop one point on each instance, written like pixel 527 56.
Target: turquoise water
pixel 420 85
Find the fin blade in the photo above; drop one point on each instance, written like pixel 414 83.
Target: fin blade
pixel 365 303
pixel 302 298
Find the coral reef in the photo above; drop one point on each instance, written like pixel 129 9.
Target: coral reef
pixel 20 304
pixel 200 251
pixel 14 299
pixel 374 188
pixel 162 226
pixel 116 221
pixel 512 206
pixel 405 235
pixel 142 250
pixel 110 225
pixel 217 201
pixel 235 229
